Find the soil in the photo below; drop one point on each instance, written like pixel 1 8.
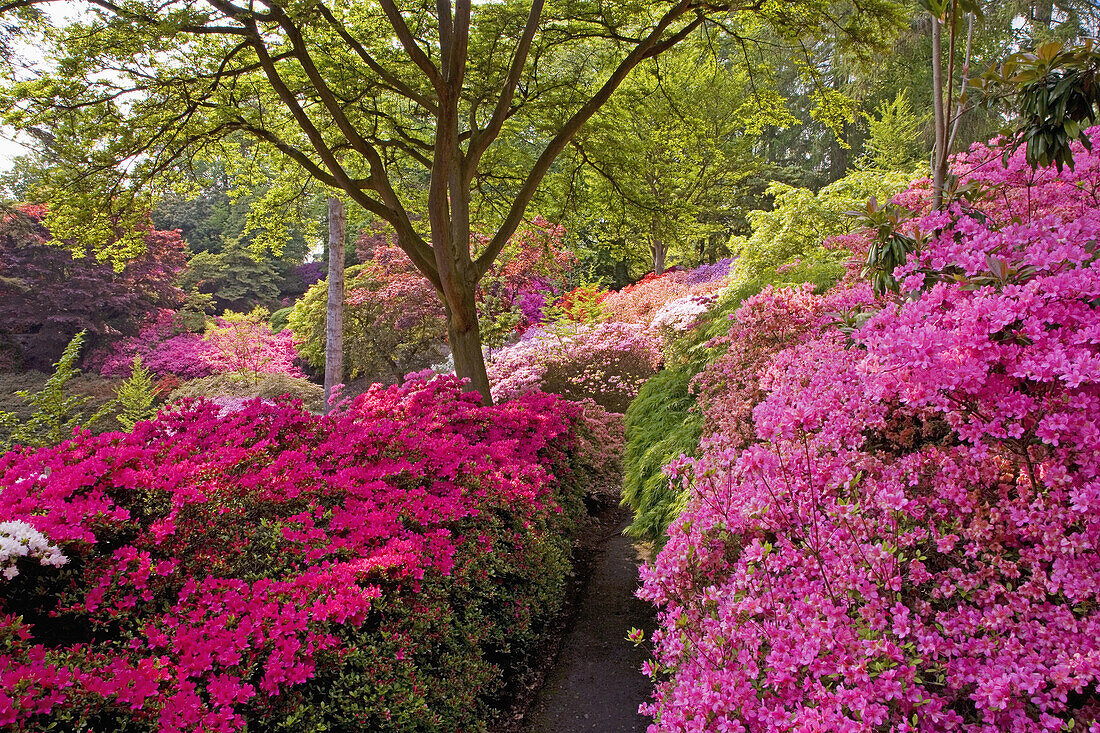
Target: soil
pixel 589 675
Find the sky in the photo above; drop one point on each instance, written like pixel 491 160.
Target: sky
pixel 9 150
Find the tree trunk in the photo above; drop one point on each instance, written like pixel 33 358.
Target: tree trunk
pixel 334 312
pixel 939 156
pixel 622 273
pixel 465 340
pixel 1042 13
pixel 659 250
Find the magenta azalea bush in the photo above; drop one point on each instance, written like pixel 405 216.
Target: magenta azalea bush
pixel 260 567
pixel 895 521
pixel 232 343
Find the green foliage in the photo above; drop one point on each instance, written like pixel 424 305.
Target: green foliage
pixel 137 397
pixel 191 316
pixel 374 347
pixel 663 179
pixel 56 413
pixel 894 135
pixel 661 425
pixel 280 319
pixel 1056 91
pixel 786 244
pixel 497 321
pixel 237 278
pixel 889 245
pixel 252 384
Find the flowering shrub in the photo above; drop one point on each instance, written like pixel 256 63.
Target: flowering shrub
pixel 607 362
pixel 369 570
pixel 526 277
pixel 600 446
pixel 648 301
pixel 638 303
pixel 582 303
pixel 240 342
pixel 246 385
pixel 682 313
pixel 233 342
pixel 895 525
pixel 19 539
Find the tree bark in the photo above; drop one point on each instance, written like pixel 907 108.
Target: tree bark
pixel 334 312
pixel 465 341
pixel 622 273
pixel 1042 13
pixel 939 169
pixel 659 250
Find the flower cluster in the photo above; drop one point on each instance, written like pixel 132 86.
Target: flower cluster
pixel 641 302
pixel 682 314
pixel 607 362
pixel 896 525
pixel 528 275
pixel 252 565
pixel 19 539
pixel 232 343
pixel 165 348
pixel 582 356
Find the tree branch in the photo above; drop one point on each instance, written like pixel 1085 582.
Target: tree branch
pixel 480 142
pixel 573 124
pixel 395 84
pixel 409 44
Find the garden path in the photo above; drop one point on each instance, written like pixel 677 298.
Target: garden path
pixel 596 683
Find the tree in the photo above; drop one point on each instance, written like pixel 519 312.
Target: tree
pixel 397 106
pixel 947 13
pixel 49 294
pixel 334 310
pixel 665 155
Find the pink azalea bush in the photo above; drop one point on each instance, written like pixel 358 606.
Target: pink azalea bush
pixel 607 362
pixel 252 565
pixel 643 301
pixel 606 345
pixel 165 347
pixel 894 523
pixel 232 343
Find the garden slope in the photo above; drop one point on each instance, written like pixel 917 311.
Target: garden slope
pixel 377 569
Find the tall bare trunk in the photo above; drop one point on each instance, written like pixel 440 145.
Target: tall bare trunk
pixel 659 250
pixel 939 157
pixel 334 312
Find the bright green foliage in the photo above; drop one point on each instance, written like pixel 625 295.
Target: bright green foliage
pixel 894 135
pixel 137 397
pixel 385 337
pixel 661 425
pixel 280 319
pixel 56 414
pixel 662 160
pixel 786 244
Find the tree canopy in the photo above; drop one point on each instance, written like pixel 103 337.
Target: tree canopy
pixel 424 115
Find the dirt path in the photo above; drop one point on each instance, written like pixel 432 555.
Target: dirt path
pixel 596 683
